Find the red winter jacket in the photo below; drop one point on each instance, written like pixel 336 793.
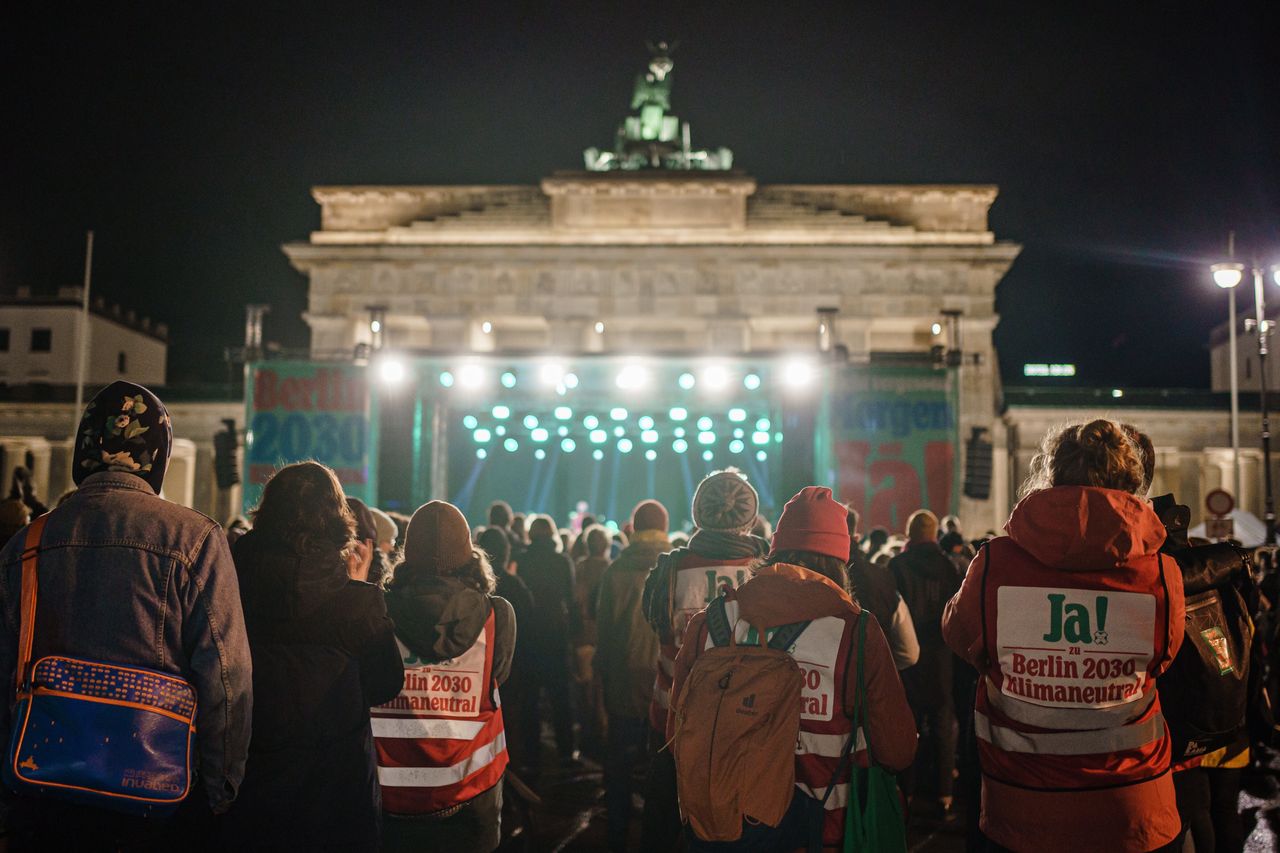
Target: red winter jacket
pixel 1070 619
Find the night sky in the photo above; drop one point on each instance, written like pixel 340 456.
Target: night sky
pixel 1126 138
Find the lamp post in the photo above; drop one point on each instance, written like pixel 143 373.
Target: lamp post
pixel 1229 275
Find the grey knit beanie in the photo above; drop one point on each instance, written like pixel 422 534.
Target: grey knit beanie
pixel 725 503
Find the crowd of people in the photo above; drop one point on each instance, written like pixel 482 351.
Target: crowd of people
pixel 364 681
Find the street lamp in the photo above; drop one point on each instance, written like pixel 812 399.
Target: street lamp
pixel 1227 276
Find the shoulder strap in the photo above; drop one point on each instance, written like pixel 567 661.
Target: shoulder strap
pixel 982 597
pixel 846 754
pixel 718 627
pixel 30 589
pixel 784 636
pixel 860 706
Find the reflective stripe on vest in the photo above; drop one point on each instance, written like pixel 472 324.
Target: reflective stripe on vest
pixel 416 727
pixel 441 741
pixel 1082 719
pixel 438 777
pixel 1112 740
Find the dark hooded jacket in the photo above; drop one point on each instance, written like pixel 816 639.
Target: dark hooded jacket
pixel 549 576
pixel 926 579
pixel 324 651
pixel 439 618
pixel 132 579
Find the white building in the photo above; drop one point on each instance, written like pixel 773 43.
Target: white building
pixel 40 339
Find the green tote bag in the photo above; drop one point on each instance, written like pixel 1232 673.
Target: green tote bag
pixel 874 823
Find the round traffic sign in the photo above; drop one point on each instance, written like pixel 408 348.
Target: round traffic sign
pixel 1219 502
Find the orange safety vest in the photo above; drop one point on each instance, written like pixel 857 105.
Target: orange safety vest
pixel 695 583
pixel 1069 702
pixel 441 741
pixel 823 652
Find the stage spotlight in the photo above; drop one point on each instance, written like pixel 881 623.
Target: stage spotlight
pixel 759 438
pixel 679 445
pixel 446 379
pixel 633 377
pixel 511 445
pixel 761 455
pixel 686 381
pixel 481 453
pixel 706 438
pixel 619 431
pixel 763 425
pixel 598 436
pixel 591 422
pixel 539 454
pixel 470 422
pixel 482 436
pixel 500 430
pixel 625 445
pixel 798 373
pixel 707 455
pixel 679 432
pixel 568 445
pixel 539 435
pixel 597 455
pixel 570 380
pixel 530 421
pixel 471 376
pixel 678 414
pixel 737 415
pixel 562 431
pixel 715 377
pixel 508 379
pixel 651 454
pixel 551 374
pixel 391 370
pixel 736 446
pixel 705 423
pixel 501 413
pixel 646 422
pixel 649 436
pixel 563 413
pixel 751 381
pixel 618 414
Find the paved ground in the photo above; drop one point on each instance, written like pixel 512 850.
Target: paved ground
pixel 571 816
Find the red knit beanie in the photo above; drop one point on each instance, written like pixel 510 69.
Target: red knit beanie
pixel 813 521
pixel 650 515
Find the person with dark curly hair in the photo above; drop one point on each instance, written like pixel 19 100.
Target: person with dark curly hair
pixel 324 651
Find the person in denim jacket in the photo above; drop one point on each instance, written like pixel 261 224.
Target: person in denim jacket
pixel 130 578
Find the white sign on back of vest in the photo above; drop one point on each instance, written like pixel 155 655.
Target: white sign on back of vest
pixel 450 688
pixel 1074 648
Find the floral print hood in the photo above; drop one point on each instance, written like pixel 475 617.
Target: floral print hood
pixel 124 428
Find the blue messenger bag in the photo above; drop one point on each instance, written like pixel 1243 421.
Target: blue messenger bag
pixel 98 734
